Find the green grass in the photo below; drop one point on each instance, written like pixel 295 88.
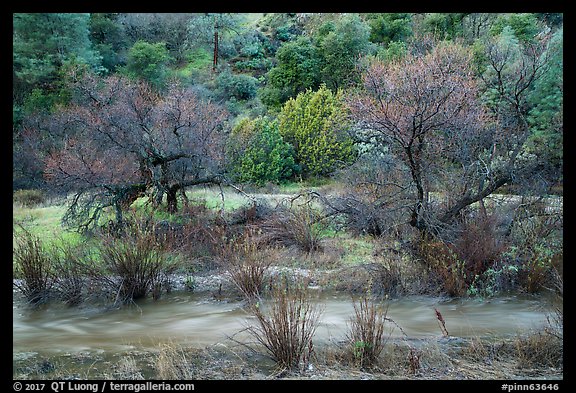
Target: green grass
pixel 198 60
pixel 251 19
pixel 213 199
pixel 299 186
pixel 44 222
pixel 356 250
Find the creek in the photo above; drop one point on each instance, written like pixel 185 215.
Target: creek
pixel 199 320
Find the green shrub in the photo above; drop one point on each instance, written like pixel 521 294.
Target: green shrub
pixel 28 198
pixel 148 61
pixel 259 154
pixel 239 86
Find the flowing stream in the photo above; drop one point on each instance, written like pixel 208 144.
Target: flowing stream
pixel 199 320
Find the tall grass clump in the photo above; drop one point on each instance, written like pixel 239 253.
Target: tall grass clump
pixel 366 332
pixel 136 261
pixel 286 325
pixel 32 267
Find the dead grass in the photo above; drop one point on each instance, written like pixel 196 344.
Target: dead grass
pixel 127 368
pixel 479 359
pixel 539 349
pixel 172 362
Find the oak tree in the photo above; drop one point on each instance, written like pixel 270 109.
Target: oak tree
pixel 121 139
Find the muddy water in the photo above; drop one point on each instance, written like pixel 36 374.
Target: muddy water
pixel 194 319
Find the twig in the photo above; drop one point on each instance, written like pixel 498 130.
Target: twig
pixel 441 322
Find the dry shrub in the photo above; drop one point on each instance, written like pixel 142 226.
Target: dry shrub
pixel 33 267
pixel 247 265
pixel 172 363
pixel 361 217
pixel 469 254
pixel 198 234
pixel 250 214
pixel 298 226
pixel 537 236
pixel 479 245
pixel 286 325
pixel 539 349
pixel 28 198
pixel 540 269
pixel 366 332
pixel 387 277
pixel 556 319
pixel 445 265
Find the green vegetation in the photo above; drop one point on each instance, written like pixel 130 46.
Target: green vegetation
pixel 315 125
pixel 148 62
pixel 259 154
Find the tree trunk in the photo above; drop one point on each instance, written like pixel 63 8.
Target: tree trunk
pixel 171 199
pixel 119 216
pixel 215 58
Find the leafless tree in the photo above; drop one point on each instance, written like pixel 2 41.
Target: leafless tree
pixel 120 140
pixel 426 112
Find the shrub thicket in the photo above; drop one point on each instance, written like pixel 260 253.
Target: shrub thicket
pixel 28 198
pixel 298 226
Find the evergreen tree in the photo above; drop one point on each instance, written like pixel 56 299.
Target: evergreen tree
pixel 43 43
pixel 298 69
pixel 315 125
pixel 340 50
pixel 525 26
pixel 547 100
pixel 258 153
pixel 389 27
